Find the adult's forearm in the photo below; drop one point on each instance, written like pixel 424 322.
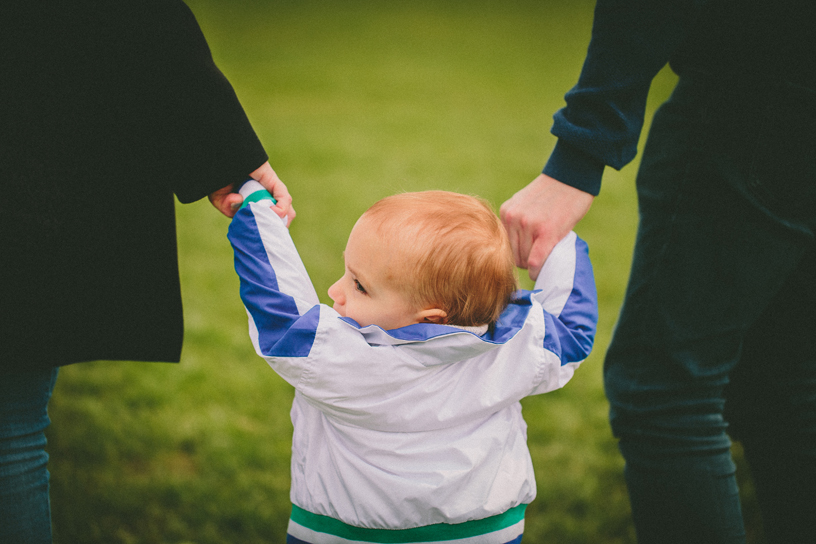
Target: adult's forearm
pixel 601 123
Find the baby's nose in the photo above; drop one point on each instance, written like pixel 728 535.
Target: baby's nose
pixel 335 293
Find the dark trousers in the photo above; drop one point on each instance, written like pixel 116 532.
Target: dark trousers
pixel 717 334
pixel 25 509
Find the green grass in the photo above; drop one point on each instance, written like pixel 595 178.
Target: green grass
pixel 353 101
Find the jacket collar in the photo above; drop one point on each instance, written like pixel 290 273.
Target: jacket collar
pixel 432 344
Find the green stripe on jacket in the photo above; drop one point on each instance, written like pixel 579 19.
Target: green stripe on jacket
pixel 427 533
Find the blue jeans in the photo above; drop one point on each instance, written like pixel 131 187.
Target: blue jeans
pixel 717 334
pixel 25 510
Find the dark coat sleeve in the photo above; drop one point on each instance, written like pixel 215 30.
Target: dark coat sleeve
pixel 199 127
pixel 107 108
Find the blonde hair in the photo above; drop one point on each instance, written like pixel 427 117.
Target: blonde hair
pixel 456 252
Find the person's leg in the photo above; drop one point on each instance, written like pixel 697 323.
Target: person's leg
pixel 707 263
pixel 771 409
pixel 25 508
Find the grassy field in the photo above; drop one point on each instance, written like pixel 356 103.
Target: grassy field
pixel 353 100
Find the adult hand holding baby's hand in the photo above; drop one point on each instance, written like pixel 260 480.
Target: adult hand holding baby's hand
pixel 227 202
pixel 539 216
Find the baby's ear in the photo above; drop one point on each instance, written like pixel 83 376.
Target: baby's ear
pixel 433 315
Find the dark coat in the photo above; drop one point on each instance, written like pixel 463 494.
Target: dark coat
pixel 107 109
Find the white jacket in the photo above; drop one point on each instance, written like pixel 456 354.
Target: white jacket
pixel 415 426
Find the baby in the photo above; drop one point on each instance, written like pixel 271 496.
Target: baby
pixel 407 421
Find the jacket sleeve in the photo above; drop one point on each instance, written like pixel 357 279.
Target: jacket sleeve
pixel 632 40
pixel 275 288
pixel 566 290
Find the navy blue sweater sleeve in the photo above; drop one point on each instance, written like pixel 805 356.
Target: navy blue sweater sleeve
pixel 601 123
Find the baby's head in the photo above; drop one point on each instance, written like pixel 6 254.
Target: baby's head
pixel 432 257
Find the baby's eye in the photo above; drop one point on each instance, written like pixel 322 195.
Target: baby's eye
pixel 359 287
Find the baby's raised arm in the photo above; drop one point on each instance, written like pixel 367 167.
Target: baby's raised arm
pixel 566 290
pixel 275 287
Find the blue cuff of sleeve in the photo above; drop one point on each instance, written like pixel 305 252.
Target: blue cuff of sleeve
pixel 573 167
